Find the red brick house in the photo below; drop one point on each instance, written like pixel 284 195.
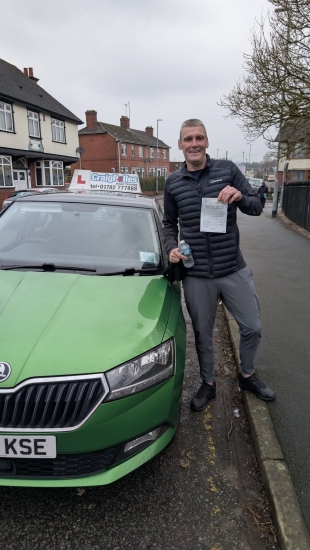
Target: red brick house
pixel 121 149
pixel 173 165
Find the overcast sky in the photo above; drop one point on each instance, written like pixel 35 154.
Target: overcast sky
pixel 171 59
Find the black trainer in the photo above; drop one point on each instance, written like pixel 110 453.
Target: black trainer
pixel 204 394
pixel 256 386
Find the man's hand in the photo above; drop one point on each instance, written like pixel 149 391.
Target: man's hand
pixel 229 194
pixel 175 256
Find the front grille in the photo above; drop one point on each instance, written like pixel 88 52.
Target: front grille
pixel 51 403
pixel 61 467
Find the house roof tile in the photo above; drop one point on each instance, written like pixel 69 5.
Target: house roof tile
pixel 16 86
pixel 126 136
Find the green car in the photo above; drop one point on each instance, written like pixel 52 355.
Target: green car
pixel 92 339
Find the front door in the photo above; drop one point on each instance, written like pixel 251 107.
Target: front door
pixel 20 180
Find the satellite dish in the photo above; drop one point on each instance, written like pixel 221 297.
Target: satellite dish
pixel 80 150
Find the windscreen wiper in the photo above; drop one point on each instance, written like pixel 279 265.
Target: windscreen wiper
pixel 129 271
pixel 46 267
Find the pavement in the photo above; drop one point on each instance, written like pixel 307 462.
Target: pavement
pixel 280 260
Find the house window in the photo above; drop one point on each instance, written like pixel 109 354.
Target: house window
pixel 6 117
pixel 141 172
pixel 6 179
pixel 34 124
pixel 152 172
pixel 298 175
pixel 141 152
pixel 300 151
pixel 158 153
pixel 164 154
pixel 124 170
pixel 151 153
pixel 132 150
pixel 49 172
pixel 124 149
pixel 165 172
pixel 58 130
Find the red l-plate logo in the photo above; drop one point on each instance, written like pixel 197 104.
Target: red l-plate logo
pixel 79 179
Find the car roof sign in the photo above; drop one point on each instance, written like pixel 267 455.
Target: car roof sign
pixel 86 180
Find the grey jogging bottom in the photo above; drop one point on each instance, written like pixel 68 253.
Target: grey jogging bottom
pixel 238 293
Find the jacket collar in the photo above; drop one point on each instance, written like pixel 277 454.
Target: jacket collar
pixel 186 172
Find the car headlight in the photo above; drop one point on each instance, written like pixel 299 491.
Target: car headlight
pixel 141 373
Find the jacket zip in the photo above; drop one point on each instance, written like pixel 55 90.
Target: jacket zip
pixel 207 237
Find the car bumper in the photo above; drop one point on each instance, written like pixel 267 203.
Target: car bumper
pixel 102 438
pixel 104 478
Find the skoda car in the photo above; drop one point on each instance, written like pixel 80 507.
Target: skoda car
pixel 92 339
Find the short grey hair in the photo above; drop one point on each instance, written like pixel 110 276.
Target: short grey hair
pixel 192 122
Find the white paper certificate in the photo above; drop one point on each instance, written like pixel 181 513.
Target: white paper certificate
pixel 213 217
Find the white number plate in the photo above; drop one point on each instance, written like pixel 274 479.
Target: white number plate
pixel 28 446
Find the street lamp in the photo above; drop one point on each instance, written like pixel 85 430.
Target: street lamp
pixel 156 188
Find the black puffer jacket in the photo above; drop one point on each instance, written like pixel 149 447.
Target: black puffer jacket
pixel 215 254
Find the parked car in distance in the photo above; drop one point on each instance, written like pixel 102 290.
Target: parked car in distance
pixel 24 192
pixel 255 183
pixel 93 389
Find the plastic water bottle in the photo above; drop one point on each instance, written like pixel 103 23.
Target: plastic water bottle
pixel 186 251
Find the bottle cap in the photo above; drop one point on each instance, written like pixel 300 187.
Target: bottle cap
pixel 181 242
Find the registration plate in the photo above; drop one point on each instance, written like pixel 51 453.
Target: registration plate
pixel 28 446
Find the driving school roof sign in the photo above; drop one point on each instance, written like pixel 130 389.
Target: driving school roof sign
pixel 85 180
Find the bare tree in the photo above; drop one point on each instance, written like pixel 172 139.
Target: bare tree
pixel 275 89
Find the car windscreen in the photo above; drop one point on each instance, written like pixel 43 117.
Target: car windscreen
pixel 79 235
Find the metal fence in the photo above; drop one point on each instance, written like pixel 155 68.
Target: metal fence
pixel 296 203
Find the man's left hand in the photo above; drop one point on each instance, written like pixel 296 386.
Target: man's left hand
pixel 229 194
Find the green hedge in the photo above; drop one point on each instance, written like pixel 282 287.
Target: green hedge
pixel 149 183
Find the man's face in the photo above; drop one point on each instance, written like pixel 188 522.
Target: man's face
pixel 194 142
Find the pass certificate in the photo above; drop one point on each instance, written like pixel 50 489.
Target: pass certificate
pixel 213 216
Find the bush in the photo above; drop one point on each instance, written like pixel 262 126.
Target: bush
pixel 149 183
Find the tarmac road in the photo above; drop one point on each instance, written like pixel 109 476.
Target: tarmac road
pixel 280 260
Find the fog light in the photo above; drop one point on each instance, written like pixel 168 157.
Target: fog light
pixel 139 443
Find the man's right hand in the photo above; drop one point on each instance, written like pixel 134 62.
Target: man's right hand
pixel 175 256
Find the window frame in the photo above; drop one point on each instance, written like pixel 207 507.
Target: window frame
pixel 46 168
pixel 151 152
pixel 5 112
pixel 140 152
pixel 300 150
pixel 33 119
pixel 58 125
pixel 8 163
pixel 165 154
pixel 124 149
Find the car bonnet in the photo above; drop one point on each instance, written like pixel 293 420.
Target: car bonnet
pixel 54 324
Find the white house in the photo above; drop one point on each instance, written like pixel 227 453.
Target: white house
pixel 38 135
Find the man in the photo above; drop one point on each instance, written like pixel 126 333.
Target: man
pixel 219 269
pixel 262 193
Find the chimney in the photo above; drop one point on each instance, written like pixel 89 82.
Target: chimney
pixel 29 72
pixel 125 122
pixel 149 130
pixel 91 120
